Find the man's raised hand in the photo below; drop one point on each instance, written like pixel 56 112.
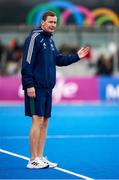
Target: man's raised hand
pixel 82 53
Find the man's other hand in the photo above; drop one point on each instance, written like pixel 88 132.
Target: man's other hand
pixel 31 92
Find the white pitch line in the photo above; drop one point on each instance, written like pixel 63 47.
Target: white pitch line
pixel 73 173
pixel 57 168
pixel 14 154
pixel 80 136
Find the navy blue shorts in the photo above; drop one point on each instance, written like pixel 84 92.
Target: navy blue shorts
pixel 41 105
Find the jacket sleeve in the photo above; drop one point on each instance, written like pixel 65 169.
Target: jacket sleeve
pixel 64 60
pixel 28 59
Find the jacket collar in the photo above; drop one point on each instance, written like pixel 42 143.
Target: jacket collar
pixel 40 30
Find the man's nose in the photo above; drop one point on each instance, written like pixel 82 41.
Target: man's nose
pixel 53 24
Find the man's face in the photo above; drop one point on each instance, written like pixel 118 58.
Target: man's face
pixel 50 24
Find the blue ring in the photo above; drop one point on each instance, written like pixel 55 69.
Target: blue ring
pixel 78 16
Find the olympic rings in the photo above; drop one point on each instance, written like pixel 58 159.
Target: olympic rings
pixel 82 15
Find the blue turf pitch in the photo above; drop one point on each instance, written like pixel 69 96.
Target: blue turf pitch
pixel 82 138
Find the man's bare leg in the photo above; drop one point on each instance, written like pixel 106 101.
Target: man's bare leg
pixel 35 135
pixel 42 138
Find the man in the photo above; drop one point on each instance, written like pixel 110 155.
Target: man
pixel 40 58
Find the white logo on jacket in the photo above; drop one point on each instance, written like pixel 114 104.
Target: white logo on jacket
pixel 52 47
pixel 44 45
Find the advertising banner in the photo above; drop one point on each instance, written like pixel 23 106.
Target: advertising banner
pixel 66 89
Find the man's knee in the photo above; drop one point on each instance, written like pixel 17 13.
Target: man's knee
pixel 40 121
pixel 37 120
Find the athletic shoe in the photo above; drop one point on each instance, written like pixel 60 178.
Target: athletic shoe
pixel 37 164
pixel 51 164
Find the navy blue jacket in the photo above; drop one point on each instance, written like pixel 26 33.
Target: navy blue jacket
pixel 40 58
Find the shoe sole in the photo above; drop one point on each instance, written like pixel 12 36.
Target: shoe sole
pixel 50 166
pixel 33 167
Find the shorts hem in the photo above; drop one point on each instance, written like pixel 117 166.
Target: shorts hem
pixel 29 115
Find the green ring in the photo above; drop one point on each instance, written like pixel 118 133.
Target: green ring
pixel 44 6
pixel 102 19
